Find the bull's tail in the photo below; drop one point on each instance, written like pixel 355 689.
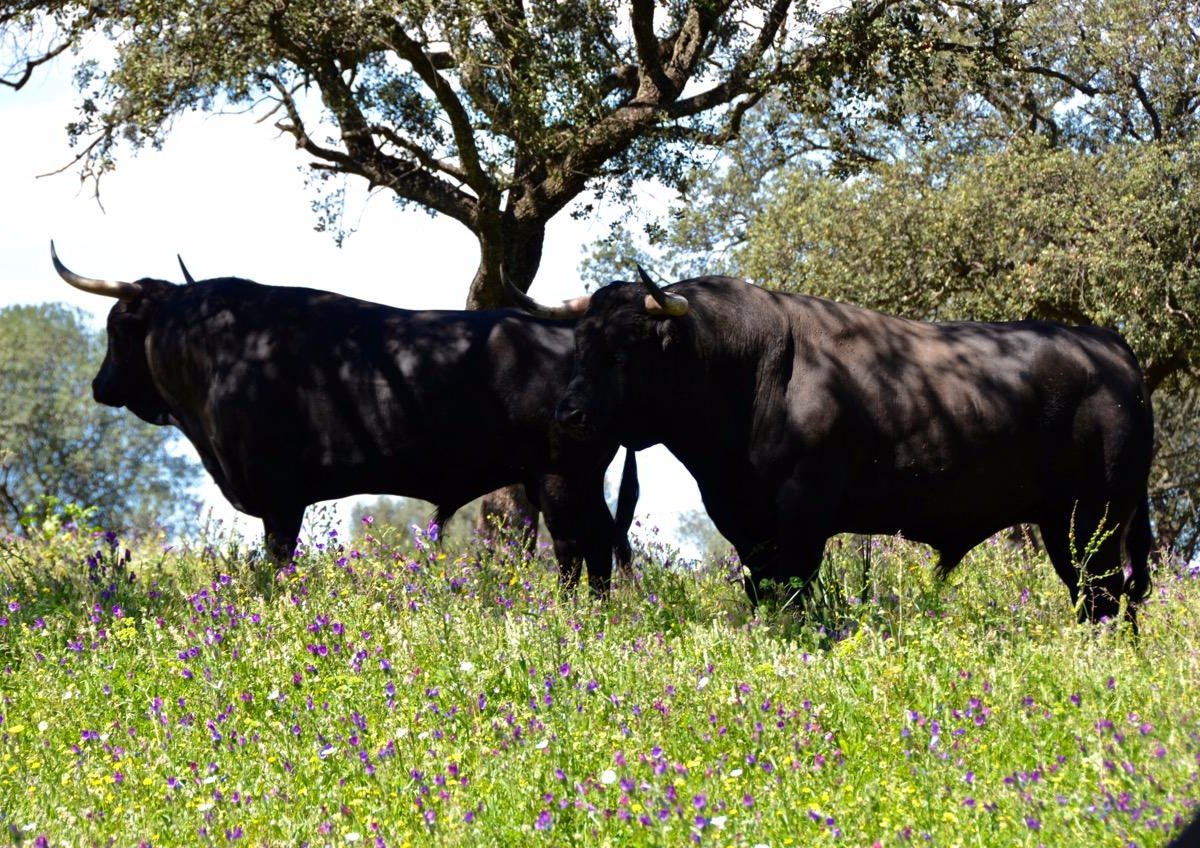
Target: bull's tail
pixel 627 496
pixel 1139 540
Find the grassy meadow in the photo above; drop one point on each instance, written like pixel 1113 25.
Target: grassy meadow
pixel 378 693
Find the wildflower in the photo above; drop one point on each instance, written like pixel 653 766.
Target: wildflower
pixel 608 777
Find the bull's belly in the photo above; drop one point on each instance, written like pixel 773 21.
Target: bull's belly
pixel 451 483
pixel 932 508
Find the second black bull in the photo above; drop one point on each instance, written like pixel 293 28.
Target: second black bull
pixel 292 396
pixel 801 417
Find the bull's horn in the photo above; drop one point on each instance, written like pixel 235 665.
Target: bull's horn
pixel 187 277
pixel 569 309
pixel 659 301
pixel 108 288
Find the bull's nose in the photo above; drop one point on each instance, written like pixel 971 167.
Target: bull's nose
pixel 570 416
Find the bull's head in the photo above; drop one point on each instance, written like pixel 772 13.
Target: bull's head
pixel 125 378
pixel 622 359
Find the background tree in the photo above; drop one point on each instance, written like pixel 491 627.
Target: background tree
pixel 56 441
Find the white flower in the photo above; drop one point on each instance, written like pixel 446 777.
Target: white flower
pixel 466 667
pixel 608 777
pixel 703 682
pixel 545 743
pixel 353 836
pixel 719 821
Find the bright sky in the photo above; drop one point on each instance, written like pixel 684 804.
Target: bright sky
pixel 229 195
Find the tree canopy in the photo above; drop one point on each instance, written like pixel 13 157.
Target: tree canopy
pixel 56 442
pixel 495 114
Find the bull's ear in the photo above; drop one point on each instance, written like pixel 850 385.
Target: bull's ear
pixel 669 333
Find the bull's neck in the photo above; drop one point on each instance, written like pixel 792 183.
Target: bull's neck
pixel 723 383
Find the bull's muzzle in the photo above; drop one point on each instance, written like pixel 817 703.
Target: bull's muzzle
pixel 571 416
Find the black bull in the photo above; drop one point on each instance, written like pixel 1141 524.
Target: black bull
pixel 800 418
pixel 293 395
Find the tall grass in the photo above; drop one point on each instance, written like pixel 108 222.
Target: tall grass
pixel 383 696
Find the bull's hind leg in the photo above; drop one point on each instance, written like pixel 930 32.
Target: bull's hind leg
pixel 1139 541
pixel 1056 537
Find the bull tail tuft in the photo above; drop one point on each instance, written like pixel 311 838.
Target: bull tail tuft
pixel 1139 540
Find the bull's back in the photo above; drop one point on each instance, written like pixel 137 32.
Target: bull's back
pixel 980 423
pixel 325 396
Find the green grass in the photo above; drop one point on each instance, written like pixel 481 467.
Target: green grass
pixel 454 697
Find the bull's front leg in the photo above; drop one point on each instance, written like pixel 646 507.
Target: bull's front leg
pixel 281 532
pixel 802 510
pixel 582 529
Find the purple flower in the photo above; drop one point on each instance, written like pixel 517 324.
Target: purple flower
pixel 544 820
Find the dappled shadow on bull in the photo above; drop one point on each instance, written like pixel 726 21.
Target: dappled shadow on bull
pixel 292 396
pixel 801 417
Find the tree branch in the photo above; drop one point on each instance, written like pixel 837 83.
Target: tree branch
pixel 1080 86
pixel 32 64
pixel 652 77
pixel 460 122
pixel 1144 98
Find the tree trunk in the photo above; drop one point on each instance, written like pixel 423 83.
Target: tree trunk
pixel 518 249
pixel 515 247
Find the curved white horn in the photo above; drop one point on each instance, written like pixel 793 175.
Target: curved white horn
pixel 108 288
pixel 570 309
pixel 659 301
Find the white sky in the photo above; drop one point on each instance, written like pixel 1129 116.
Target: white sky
pixel 229 195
